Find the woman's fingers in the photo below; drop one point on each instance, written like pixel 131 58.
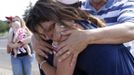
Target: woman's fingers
pixel 64 55
pixel 8 49
pixel 41 53
pixel 74 59
pixel 46 48
pixel 61 50
pixel 41 47
pixel 43 50
pixel 39 58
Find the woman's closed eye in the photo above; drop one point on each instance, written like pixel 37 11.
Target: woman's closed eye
pixel 43 36
pixel 48 27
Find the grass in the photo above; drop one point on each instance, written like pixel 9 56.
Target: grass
pixel 3 34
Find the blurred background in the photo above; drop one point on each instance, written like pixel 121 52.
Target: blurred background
pixel 12 8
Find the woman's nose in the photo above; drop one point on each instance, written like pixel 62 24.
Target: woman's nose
pixel 57 33
pixel 56 36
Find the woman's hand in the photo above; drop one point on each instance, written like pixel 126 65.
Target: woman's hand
pixel 11 46
pixel 39 58
pixel 64 67
pixel 75 44
pixel 41 47
pixel 46 67
pixel 9 49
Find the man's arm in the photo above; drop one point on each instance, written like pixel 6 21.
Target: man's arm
pixel 79 39
pixel 119 33
pixel 116 34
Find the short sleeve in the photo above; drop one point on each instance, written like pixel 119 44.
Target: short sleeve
pixel 127 12
pixel 10 35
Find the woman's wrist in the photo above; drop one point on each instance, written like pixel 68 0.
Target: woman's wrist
pixel 41 63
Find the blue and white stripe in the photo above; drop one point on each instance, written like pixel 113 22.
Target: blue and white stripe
pixel 113 12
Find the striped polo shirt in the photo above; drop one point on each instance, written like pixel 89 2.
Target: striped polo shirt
pixel 113 12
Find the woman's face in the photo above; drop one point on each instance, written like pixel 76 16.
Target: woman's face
pixel 51 30
pixel 45 30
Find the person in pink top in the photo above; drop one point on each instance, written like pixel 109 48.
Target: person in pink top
pixel 19 35
pixel 22 63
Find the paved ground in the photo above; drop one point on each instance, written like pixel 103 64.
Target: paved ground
pixel 5 65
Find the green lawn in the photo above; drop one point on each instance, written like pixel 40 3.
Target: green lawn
pixel 3 34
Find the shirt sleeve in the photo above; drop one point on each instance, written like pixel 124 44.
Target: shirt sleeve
pixel 127 12
pixel 10 35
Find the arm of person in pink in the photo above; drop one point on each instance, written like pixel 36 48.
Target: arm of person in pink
pixel 10 44
pixel 10 34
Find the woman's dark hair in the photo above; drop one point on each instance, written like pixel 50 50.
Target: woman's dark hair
pixel 76 5
pixel 52 11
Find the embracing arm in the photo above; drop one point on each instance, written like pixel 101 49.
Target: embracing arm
pixel 10 44
pixel 116 34
pixel 119 33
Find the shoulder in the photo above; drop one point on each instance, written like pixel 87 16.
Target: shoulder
pixel 128 4
pixel 10 30
pixel 131 0
pixel 125 0
pixel 124 4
